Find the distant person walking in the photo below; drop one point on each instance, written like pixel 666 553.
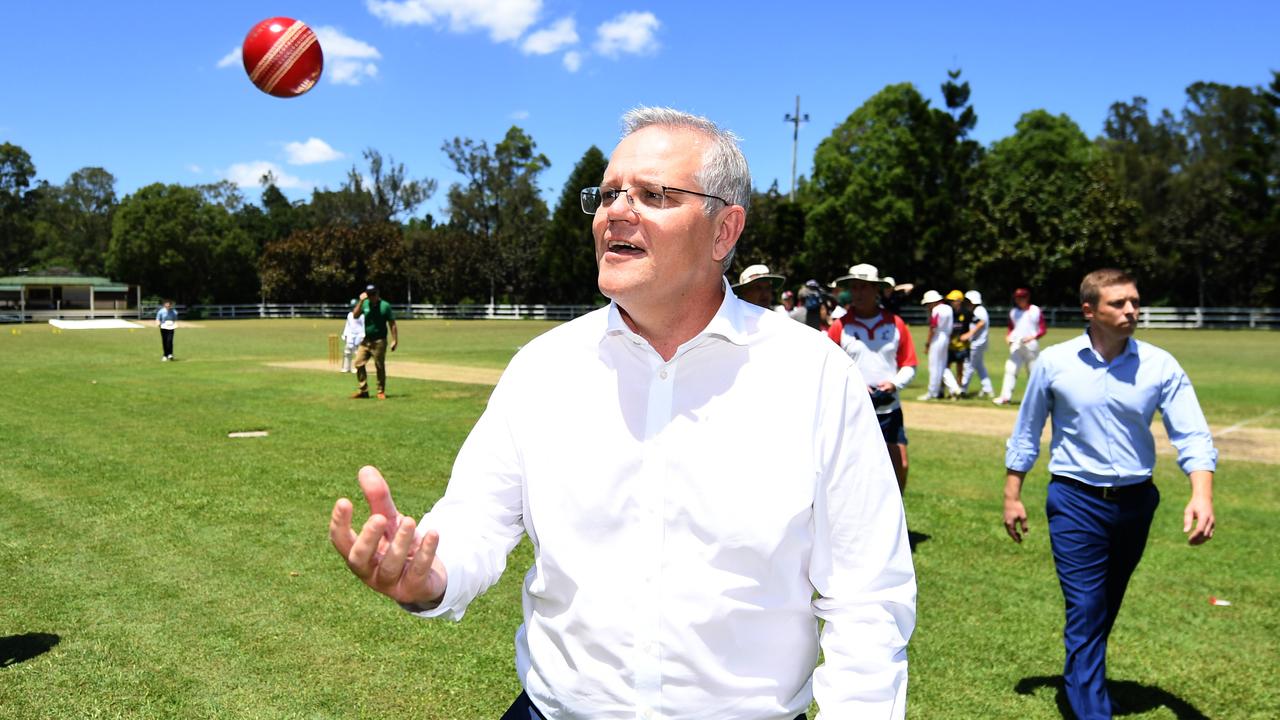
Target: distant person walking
pixel 352 336
pixel 978 326
pixel 1026 327
pixel 938 344
pixel 167 321
pixel 379 320
pixel 1102 390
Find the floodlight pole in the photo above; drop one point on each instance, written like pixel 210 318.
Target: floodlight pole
pixel 795 121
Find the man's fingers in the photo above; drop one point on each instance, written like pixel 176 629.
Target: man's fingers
pixel 378 494
pixel 340 532
pixel 362 559
pixel 417 577
pixel 392 563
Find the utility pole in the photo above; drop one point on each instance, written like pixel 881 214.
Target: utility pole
pixel 795 121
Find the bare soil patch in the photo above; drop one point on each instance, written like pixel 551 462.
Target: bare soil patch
pixel 1239 442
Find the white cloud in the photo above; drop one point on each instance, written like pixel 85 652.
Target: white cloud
pixel 503 19
pixel 572 61
pixel 520 115
pixel 561 34
pixel 249 175
pixel 195 169
pixel 629 33
pixel 348 61
pixel 314 150
pixel 231 58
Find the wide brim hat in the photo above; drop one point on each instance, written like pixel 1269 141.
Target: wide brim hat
pixel 863 272
pixel 974 297
pixel 930 296
pixel 759 272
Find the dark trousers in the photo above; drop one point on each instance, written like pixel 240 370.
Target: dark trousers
pixel 523 709
pixel 1097 543
pixel 166 339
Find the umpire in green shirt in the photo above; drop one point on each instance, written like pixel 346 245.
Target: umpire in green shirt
pixel 378 321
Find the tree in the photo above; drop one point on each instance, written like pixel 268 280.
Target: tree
pixel 873 180
pixel 567 258
pixel 381 196
pixel 16 237
pixel 499 204
pixel 959 156
pixel 328 262
pixel 183 243
pixel 1046 207
pixel 773 236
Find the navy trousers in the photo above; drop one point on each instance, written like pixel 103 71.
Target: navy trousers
pixel 1097 543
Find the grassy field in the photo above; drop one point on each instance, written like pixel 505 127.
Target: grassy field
pixel 150 567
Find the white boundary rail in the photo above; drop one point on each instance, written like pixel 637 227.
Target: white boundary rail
pixel 1151 317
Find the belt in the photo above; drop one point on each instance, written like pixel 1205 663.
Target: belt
pixel 1106 493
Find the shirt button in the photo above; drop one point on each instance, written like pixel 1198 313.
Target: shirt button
pixel 663 374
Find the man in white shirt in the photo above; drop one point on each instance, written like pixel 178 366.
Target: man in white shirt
pixel 352 336
pixel 684 551
pixel 977 337
pixel 941 320
pixel 1026 327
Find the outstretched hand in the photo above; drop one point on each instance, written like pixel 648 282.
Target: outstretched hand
pixel 388 555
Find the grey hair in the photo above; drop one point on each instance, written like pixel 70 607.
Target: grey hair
pixel 724 170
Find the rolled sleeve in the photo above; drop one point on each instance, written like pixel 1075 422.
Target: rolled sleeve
pixel 1184 422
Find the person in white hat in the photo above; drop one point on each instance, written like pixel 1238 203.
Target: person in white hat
pixel 352 336
pixel 881 346
pixel 941 320
pixel 756 285
pixel 978 326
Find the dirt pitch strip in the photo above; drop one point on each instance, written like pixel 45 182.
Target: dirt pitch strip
pixel 1237 442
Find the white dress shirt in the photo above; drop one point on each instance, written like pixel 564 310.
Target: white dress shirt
pixel 682 515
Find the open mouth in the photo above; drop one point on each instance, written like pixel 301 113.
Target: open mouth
pixel 626 249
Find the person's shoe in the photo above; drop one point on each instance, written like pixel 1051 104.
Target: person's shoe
pixel 985 394
pixel 359 394
pixel 1001 401
pixel 382 395
pixel 164 358
pixel 925 397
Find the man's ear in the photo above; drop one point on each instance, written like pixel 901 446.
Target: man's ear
pixel 1087 309
pixel 729 227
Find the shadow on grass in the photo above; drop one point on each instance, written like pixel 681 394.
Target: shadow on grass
pixel 20 648
pixel 1127 697
pixel 914 538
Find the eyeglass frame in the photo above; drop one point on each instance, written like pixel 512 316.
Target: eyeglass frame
pixel 631 203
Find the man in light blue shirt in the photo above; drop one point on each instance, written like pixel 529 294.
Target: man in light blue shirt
pixel 1102 390
pixel 167 321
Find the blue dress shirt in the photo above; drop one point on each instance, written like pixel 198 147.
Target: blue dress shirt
pixel 1102 414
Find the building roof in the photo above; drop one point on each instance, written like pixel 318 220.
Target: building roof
pixel 102 283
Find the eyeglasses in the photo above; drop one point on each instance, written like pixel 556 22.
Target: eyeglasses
pixel 644 198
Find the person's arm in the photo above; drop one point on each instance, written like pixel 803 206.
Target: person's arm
pixel 395 334
pixel 358 310
pixel 906 356
pixel 1041 327
pixel 1008 334
pixel 1189 433
pixel 1023 448
pixel 1015 515
pixel 861 562
pixel 974 329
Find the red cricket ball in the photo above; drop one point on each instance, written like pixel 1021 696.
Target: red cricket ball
pixel 282 57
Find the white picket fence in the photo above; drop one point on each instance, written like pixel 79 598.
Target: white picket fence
pixel 1150 317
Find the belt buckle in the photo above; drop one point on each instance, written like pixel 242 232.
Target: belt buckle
pixel 1110 493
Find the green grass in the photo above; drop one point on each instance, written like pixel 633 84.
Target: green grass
pixel 185 574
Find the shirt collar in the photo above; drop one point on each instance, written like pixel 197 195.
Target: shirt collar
pixel 1084 343
pixel 727 324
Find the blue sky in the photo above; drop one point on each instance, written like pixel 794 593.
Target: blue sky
pixel 155 92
